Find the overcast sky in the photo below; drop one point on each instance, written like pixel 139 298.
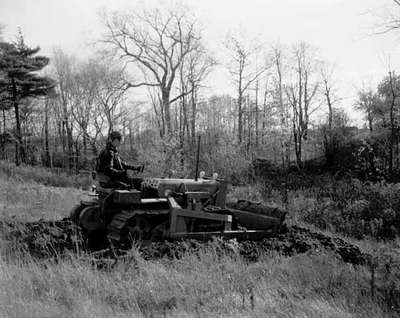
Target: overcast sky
pixel 341 29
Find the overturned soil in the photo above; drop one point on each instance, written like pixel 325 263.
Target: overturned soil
pixel 53 239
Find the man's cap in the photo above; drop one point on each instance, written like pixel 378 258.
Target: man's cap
pixel 115 135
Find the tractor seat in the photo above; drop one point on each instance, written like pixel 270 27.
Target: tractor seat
pixel 101 189
pixel 102 178
pixel 101 181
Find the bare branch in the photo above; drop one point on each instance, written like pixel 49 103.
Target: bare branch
pixel 157 43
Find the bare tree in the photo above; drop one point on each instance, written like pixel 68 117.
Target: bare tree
pixel 243 52
pixel 392 104
pixel 64 67
pixel 301 92
pixel 391 19
pixel 329 92
pixel 197 67
pixel 366 102
pixel 90 98
pixel 157 42
pixel 84 90
pixel 280 69
pixel 111 92
pixel 156 103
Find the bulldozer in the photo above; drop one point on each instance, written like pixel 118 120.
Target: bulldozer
pixel 153 209
pixel 172 209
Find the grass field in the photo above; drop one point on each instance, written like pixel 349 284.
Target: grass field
pixel 203 285
pixel 30 200
pixel 209 283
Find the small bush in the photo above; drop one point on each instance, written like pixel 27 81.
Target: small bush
pixel 349 206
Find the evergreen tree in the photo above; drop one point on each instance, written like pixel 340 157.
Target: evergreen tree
pixel 20 80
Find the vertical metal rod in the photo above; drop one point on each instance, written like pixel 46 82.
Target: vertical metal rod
pixel 197 159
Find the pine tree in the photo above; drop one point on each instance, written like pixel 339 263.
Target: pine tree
pixel 19 80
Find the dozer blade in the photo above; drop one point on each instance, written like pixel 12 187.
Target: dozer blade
pixel 258 222
pixel 253 235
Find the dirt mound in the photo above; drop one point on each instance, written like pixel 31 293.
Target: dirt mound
pixel 300 240
pixel 44 239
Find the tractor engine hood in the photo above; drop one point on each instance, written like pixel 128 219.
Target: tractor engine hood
pixel 180 185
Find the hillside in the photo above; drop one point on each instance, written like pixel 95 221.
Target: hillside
pixel 206 281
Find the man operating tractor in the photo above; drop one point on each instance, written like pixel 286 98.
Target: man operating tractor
pixel 111 169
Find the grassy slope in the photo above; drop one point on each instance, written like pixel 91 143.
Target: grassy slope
pixel 208 284
pixel 30 193
pixel 30 200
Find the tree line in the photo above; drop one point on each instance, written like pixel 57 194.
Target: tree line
pixel 149 79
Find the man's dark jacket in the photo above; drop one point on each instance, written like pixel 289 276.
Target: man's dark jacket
pixel 111 164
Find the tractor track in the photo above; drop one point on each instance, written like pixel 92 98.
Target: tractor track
pixel 52 239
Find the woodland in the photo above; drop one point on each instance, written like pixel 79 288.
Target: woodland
pixel 148 77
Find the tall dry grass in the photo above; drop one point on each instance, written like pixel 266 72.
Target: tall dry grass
pixel 44 176
pixel 30 193
pixel 206 284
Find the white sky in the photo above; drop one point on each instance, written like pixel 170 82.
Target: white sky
pixel 339 28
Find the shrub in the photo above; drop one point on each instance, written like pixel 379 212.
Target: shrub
pixel 350 206
pixel 165 157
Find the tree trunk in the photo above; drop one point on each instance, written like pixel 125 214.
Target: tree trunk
pixel 194 112
pixel 370 121
pixel 185 119
pixel 4 120
pixel 19 149
pixel 4 139
pixel 297 146
pixel 94 148
pixel 159 118
pixel 130 137
pixel 256 114
pixel 249 119
pixel 240 115
pixel 76 157
pixel 264 118
pixel 283 116
pixel 181 132
pixel 329 142
pixel 67 132
pixel 64 141
pixel 397 153
pixel 392 126
pixel 70 145
pixel 46 134
pixel 85 161
pixel 162 119
pixel 167 111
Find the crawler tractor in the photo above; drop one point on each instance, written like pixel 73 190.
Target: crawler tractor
pixel 170 209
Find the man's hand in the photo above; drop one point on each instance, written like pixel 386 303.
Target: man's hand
pixel 140 168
